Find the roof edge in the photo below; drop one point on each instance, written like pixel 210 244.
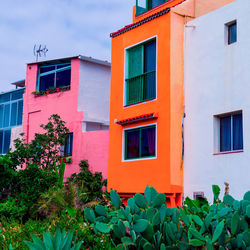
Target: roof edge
pixel 83 58
pixel 139 23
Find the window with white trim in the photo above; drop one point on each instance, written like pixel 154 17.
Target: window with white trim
pixel 53 76
pixel 230 132
pixel 141 72
pixel 140 142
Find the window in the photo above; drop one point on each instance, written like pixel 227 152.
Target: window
pixel 11 109
pixel 54 76
pixel 230 132
pixel 141 73
pixel 145 5
pixel 140 142
pixel 67 149
pixel 5 141
pixel 231 30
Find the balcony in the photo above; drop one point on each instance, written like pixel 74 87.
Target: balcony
pixel 141 88
pixel 146 5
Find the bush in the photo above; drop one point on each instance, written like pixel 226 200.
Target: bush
pixel 89 184
pixel 146 222
pixel 30 183
pixel 45 149
pixel 15 233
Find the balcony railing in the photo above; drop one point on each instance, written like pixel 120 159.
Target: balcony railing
pixel 141 88
pixel 145 5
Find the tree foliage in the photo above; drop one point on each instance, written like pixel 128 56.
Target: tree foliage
pixel 44 149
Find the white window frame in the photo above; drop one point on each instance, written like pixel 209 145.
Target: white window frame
pixel 126 71
pixel 124 143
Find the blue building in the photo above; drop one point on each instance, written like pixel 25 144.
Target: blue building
pixel 11 114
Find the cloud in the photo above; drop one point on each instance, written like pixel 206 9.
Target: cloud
pixel 67 27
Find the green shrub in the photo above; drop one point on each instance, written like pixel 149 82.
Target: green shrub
pixel 89 184
pixel 146 222
pixel 14 232
pixel 11 208
pixel 30 183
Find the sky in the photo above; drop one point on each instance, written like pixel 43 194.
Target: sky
pixel 66 27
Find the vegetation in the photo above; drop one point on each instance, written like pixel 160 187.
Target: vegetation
pixel 146 222
pixel 39 211
pixel 44 150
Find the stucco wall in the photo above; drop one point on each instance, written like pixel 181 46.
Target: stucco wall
pixel 37 110
pixel 216 81
pixel 94 91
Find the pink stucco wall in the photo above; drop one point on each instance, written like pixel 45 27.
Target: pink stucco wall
pixel 91 146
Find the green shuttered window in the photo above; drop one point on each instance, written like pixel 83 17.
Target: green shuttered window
pixel 141 73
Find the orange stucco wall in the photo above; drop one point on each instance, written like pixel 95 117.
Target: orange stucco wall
pixel 133 176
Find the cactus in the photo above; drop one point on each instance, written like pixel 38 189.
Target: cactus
pixel 147 223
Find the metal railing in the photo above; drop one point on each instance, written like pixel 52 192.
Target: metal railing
pixel 141 88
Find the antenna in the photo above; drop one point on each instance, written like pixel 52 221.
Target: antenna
pixel 39 50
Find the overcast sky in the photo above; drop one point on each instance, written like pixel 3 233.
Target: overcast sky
pixel 67 27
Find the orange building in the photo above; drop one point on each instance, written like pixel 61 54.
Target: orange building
pixel 147 97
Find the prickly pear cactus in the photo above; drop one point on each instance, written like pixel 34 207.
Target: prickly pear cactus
pixel 147 223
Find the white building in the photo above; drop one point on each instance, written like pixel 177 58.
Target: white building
pixel 217 101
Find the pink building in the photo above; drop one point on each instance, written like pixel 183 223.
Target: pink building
pixel 77 89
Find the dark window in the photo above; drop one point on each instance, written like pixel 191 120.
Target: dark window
pixel 54 76
pixel 67 149
pixel 231 133
pixel 145 5
pixel 140 142
pixel 5 141
pixel 1 115
pixel 13 118
pixel 5 98
pixel 141 73
pixel 232 32
pixel 6 122
pixel 20 112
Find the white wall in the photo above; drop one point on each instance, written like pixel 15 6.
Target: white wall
pixel 94 91
pixel 217 80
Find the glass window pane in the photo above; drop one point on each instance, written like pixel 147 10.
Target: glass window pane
pixel 237 132
pixel 47 81
pixel 20 113
pixel 6 122
pixel 69 144
pixel 1 141
pixel 150 56
pixel 4 98
pixel 13 119
pixel 135 61
pixel 156 3
pixel 17 95
pixel 63 78
pixel 225 133
pixel 7 135
pixel 232 33
pixel 63 66
pixel 149 88
pixel 1 115
pixel 148 141
pixel 141 6
pixel 46 69
pixel 132 144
